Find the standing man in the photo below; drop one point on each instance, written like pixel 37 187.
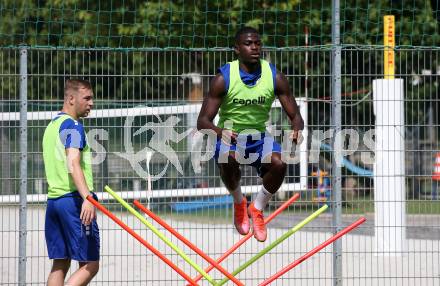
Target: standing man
pixel 242 93
pixel 71 230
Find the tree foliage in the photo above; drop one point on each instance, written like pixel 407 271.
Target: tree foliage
pixel 113 42
pixel 208 24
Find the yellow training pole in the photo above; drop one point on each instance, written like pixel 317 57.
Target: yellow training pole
pixel 159 234
pixel 276 242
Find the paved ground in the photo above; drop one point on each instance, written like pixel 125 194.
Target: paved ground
pixel 125 262
pixel 417 226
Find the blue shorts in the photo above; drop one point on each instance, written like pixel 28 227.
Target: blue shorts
pixel 250 150
pixel 66 236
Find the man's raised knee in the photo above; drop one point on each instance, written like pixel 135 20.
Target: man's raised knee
pixel 93 267
pixel 278 166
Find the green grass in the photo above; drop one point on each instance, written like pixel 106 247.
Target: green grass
pixel 224 215
pixel 423 207
pixel 413 207
pixel 212 216
pixel 220 216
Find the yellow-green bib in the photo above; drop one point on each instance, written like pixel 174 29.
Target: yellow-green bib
pixel 55 161
pixel 247 107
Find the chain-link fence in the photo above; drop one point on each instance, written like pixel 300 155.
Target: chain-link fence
pixel 143 93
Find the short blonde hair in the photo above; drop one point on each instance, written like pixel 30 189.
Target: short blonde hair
pixel 73 85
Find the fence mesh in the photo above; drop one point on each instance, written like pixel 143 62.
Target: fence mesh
pixel 164 54
pixel 210 24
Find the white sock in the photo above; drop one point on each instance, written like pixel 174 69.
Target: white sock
pixel 237 195
pixel 263 197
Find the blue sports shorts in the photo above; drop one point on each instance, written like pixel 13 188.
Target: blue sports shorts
pixel 66 236
pixel 252 149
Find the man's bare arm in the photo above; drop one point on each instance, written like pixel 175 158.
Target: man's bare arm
pixel 290 106
pixel 74 167
pixel 288 102
pixel 211 105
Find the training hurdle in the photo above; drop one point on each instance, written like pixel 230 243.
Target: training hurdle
pixel 216 263
pixel 162 237
pixel 141 240
pixel 277 242
pixel 249 235
pixel 185 241
pixel 313 251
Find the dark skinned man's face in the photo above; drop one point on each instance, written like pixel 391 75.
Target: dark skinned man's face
pixel 248 48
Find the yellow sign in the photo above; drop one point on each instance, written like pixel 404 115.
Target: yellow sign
pixel 389 44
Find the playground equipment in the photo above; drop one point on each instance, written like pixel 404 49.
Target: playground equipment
pixel 216 263
pixel 323 192
pixel 349 165
pixel 436 176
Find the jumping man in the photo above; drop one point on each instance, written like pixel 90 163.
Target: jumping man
pixel 242 93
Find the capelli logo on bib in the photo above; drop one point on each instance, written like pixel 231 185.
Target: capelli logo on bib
pixel 245 102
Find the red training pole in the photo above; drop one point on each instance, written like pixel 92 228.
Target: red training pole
pixel 187 242
pixel 313 251
pixel 141 240
pixel 247 236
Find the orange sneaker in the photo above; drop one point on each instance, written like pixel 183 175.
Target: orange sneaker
pixel 241 219
pixel 259 227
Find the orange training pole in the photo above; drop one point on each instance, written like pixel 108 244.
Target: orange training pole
pixel 313 251
pixel 141 240
pixel 187 242
pixel 247 236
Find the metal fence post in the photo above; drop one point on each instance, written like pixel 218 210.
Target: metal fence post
pixel 23 167
pixel 336 142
